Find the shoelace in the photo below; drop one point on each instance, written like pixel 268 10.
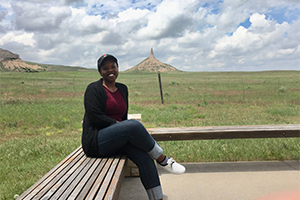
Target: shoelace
pixel 171 162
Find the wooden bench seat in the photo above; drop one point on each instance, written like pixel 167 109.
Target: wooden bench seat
pixel 80 177
pixel 225 132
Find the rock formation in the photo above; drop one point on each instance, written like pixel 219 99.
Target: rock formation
pixel 12 62
pixel 151 64
pixel 7 55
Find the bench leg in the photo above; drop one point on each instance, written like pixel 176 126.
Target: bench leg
pixel 131 169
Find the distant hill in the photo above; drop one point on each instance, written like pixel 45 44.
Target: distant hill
pixel 12 62
pixel 151 64
pixel 52 68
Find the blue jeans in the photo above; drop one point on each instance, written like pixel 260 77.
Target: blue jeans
pixel 132 139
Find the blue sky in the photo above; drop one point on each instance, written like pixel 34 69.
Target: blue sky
pixel 208 35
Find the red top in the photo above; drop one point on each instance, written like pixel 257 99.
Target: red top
pixel 115 105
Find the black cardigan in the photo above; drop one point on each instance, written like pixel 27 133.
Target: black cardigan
pixel 95 118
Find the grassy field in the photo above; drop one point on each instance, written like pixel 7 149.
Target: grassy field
pixel 41 114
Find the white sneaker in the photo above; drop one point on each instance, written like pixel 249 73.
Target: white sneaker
pixel 174 167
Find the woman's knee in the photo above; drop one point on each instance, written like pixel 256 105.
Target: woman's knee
pixel 134 123
pixel 135 126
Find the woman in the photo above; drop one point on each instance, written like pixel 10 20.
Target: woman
pixel 106 130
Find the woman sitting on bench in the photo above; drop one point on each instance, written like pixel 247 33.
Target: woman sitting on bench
pixel 106 130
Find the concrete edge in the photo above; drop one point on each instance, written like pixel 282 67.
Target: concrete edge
pixel 240 166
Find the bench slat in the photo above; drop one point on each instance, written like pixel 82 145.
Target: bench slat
pixel 76 179
pixel 91 166
pixel 98 182
pixel 30 192
pixel 79 177
pixel 225 132
pixel 48 190
pixel 71 177
pixel 63 180
pixel 116 181
pixel 100 163
pixel 110 173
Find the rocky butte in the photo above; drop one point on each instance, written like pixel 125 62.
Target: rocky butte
pixel 12 62
pixel 151 64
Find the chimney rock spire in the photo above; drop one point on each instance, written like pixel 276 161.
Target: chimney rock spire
pixel 151 54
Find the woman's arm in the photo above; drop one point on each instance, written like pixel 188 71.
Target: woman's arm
pixel 124 91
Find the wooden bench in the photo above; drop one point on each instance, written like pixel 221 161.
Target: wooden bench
pixel 80 177
pixel 218 132
pixel 225 132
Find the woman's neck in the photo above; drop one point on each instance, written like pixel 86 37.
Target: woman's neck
pixel 110 86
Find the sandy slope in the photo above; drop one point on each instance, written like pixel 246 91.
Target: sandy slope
pixel 19 65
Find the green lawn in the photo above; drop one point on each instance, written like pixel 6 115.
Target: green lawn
pixel 41 113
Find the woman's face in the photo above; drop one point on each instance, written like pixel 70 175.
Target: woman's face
pixel 109 71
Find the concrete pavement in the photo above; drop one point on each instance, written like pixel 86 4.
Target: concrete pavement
pixel 224 181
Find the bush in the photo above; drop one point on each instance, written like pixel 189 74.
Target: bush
pixel 282 89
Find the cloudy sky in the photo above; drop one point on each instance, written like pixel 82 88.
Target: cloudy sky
pixel 206 35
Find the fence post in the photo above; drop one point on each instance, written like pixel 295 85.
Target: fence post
pixel 160 87
pixel 243 90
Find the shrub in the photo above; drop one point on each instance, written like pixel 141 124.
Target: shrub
pixel 282 89
pixel 174 83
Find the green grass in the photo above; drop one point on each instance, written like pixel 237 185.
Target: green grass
pixel 26 160
pixel 41 113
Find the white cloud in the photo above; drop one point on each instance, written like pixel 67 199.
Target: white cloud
pixel 132 15
pixel 24 38
pixel 92 24
pixel 171 19
pixel 258 20
pixel 261 42
pixel 38 17
pixel 188 34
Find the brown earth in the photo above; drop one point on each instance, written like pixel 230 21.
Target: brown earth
pixel 19 65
